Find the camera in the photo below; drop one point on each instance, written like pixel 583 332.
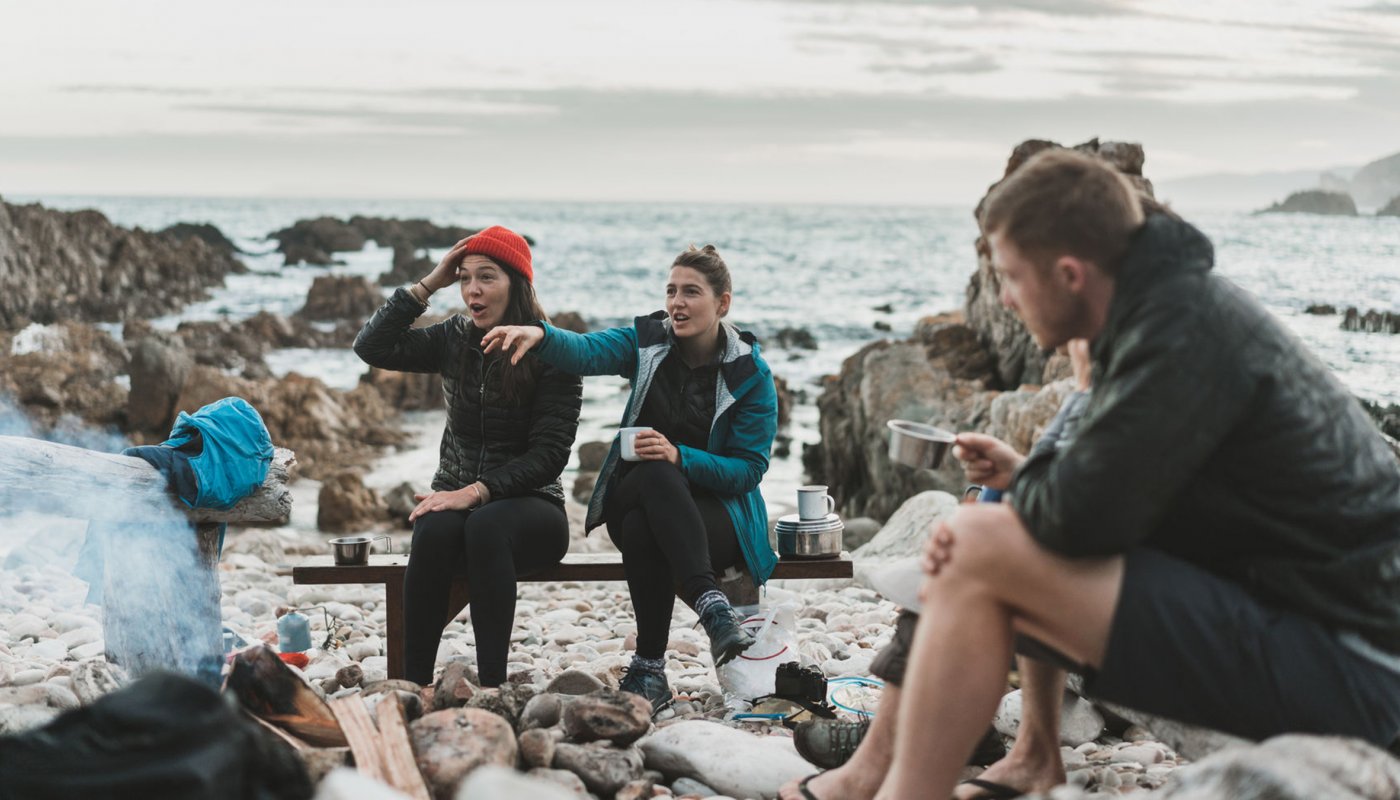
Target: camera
pixel 800 683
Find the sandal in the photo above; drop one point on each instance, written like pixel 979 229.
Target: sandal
pixel 803 790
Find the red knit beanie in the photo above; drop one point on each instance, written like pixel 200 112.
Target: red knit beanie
pixel 505 246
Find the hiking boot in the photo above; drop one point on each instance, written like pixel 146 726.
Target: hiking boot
pixel 651 686
pixel 727 638
pixel 828 743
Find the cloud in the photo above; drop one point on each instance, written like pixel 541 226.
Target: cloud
pixel 962 66
pixel 1059 8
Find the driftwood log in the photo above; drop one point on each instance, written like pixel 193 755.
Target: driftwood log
pixel 28 468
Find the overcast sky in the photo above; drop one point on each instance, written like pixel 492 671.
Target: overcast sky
pixel 712 100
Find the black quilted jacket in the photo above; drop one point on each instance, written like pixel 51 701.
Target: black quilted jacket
pixel 513 449
pixel 1215 435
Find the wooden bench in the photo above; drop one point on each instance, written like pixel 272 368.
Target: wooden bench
pixel 389 570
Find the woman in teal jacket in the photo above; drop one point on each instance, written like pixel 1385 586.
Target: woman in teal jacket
pixel 690 506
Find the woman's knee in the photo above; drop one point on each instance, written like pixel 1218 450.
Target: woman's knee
pixel 437 530
pixel 658 476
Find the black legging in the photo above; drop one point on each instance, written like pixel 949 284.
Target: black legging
pixel 671 537
pixel 501 540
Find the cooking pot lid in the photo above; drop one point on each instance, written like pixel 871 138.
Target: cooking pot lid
pixel 796 524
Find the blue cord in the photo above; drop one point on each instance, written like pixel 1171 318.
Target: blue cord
pixel 871 682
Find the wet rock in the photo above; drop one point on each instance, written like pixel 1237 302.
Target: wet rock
pixel 497 783
pixel 1370 322
pixel 450 744
pixel 400 502
pixel 159 366
pixel 408 266
pixel 1321 309
pixel 603 769
pixel 407 391
pixel 455 686
pixel 795 338
pixel 345 504
pixel 569 321
pixel 1315 201
pixel 621 717
pixel 543 711
pixel 1079 721
pixel 205 232
pixel 537 747
pixel 349 676
pixel 574 682
pixel 733 762
pixel 334 297
pixel 313 240
pixel 591 455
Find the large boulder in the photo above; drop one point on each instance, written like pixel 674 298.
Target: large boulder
pixel 159 367
pixel 205 232
pixel 1018 359
pixel 78 266
pixel 1371 321
pixel 732 762
pixel 65 375
pixel 407 391
pixel 313 240
pixel 407 266
pixel 1315 201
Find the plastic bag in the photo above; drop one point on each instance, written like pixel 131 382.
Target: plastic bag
pixel 751 674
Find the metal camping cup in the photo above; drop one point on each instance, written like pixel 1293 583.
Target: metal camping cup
pixel 813 502
pixel 627 437
pixel 353 551
pixel 917 445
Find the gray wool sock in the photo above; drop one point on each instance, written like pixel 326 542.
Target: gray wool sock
pixel 708 600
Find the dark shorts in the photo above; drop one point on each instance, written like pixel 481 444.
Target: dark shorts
pixel 1191 646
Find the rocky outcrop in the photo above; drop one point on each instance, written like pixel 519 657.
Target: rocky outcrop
pixel 953 373
pixel 333 297
pixel 345 504
pixel 314 241
pixel 1315 201
pixel 78 266
pixel 569 321
pixel 1391 209
pixel 1018 359
pixel 205 232
pixel 1370 322
pixel 65 376
pixel 407 267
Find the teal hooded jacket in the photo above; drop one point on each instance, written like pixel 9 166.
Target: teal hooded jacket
pixel 741 434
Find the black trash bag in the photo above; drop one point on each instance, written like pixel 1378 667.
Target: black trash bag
pixel 164 736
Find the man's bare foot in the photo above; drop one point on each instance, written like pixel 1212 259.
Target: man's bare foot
pixel 1026 774
pixel 849 781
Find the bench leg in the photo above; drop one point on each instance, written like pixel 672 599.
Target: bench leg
pixel 393 625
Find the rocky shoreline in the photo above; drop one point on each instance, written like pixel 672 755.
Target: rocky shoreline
pixel 975 368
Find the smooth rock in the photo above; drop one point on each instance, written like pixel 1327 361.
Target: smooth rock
pixel 344 783
pixel 450 744
pixel 350 676
pixel 564 779
pixel 543 711
pixel 603 769
pixel 621 717
pixel 641 789
pixel 731 761
pixel 688 786
pixel 574 682
pixel 537 747
pixel 502 783
pixel 1079 721
pixel 18 719
pixel 49 650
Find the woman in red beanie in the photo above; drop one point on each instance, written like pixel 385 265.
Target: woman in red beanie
pixel 496 503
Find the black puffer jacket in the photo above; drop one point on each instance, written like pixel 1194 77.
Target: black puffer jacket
pixel 1215 435
pixel 513 450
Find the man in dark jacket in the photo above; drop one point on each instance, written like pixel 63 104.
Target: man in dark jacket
pixel 1219 544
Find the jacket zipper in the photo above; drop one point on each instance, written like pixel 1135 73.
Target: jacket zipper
pixel 481 403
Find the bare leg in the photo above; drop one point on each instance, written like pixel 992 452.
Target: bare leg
pixel 1034 763
pixel 860 777
pixel 998 581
